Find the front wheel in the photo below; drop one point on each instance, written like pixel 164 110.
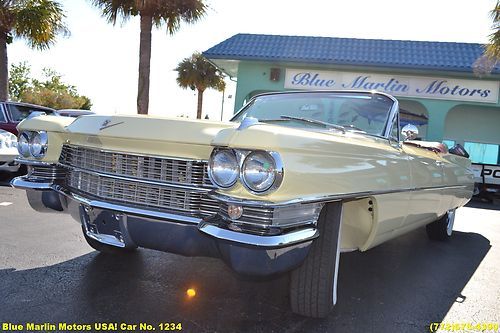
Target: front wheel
pixel 313 285
pixel 442 229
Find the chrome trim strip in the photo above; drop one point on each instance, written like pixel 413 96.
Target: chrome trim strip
pixel 394 112
pixel 32 184
pixel 335 197
pixel 192 188
pixel 35 163
pixel 337 255
pixel 27 184
pixel 294 237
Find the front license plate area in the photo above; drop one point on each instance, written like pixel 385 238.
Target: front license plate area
pixel 105 221
pixel 103 225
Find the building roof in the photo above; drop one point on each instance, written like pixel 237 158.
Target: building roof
pixel 405 54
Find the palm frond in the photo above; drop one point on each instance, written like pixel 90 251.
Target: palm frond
pixel 39 22
pixel 170 13
pixel 493 48
pixel 8 12
pixel 112 10
pixel 198 73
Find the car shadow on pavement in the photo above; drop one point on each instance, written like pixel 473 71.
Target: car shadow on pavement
pixel 402 285
pixel 477 202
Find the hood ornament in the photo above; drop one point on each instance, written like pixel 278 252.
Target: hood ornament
pixel 107 124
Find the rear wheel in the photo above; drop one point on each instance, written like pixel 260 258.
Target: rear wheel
pixel 105 248
pixel 442 229
pixel 313 285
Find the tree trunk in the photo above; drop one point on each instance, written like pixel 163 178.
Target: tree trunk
pixel 200 104
pixel 4 68
pixel 144 64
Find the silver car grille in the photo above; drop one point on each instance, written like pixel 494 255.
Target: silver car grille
pixel 141 194
pixel 49 172
pixel 139 180
pixel 170 170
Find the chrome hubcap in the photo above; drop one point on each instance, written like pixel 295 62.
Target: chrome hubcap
pixel 451 221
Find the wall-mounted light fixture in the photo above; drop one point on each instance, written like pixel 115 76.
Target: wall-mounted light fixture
pixel 274 75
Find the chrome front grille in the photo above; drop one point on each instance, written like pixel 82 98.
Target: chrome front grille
pixel 170 170
pixel 142 194
pixel 49 172
pixel 139 180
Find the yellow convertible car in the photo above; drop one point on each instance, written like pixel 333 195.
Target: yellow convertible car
pixel 292 181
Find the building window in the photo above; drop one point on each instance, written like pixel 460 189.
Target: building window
pixel 449 143
pixel 482 152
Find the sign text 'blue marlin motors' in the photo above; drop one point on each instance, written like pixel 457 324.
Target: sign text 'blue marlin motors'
pixel 411 86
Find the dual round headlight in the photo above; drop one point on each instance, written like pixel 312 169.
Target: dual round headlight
pixel 224 168
pixel 259 171
pixel 33 144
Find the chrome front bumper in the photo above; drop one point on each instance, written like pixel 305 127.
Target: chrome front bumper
pixel 169 232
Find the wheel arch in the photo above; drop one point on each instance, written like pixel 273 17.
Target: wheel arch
pixel 358 218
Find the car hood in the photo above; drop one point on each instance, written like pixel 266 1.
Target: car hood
pixel 199 132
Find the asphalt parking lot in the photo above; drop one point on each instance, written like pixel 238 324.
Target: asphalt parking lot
pixel 49 274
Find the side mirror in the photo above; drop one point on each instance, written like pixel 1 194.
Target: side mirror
pixel 409 132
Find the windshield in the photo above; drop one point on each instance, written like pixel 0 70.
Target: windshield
pixel 20 112
pixel 362 112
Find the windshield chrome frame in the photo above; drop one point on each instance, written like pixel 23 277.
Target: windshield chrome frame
pixel 387 129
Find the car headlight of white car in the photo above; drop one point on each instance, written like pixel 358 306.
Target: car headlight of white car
pixel 33 144
pixel 7 140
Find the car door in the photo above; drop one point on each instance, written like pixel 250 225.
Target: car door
pixel 426 168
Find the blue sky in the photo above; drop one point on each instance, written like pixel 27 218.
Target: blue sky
pixel 102 60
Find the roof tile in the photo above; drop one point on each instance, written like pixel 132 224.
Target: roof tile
pixel 446 56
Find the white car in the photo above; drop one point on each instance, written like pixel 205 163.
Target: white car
pixel 8 152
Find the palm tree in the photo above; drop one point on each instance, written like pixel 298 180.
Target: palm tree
pixel 152 12
pixel 493 49
pixel 37 21
pixel 198 73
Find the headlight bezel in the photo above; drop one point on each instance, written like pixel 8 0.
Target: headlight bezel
pixel 278 172
pixel 44 141
pixel 241 157
pixel 26 145
pixel 21 144
pixel 210 168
